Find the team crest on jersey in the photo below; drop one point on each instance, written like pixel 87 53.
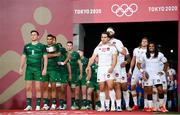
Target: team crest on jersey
pixel 104 49
pixel 158 80
pixel 116 74
pixel 108 49
pixel 108 75
pixel 123 78
pixel 114 43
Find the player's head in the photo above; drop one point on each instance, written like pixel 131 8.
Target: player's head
pixel 34 35
pixel 152 48
pixel 111 32
pixel 54 39
pixel 144 42
pixel 50 39
pixel 69 45
pixel 105 37
pixel 81 52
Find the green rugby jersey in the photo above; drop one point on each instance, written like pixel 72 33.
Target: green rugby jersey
pixel 73 61
pixel 94 68
pixel 34 54
pixel 84 62
pixel 52 62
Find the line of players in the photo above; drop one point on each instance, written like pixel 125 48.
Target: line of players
pixel 68 67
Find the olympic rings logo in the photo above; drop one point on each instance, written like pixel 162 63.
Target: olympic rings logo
pixel 124 9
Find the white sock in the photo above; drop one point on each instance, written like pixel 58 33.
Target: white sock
pixel 155 100
pixel 118 103
pixel 161 102
pixel 107 102
pixel 126 97
pixel 112 96
pixel 134 97
pixel 102 98
pixel 150 103
pixel 145 103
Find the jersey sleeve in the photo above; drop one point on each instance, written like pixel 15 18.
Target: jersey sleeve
pixel 119 45
pixel 162 58
pixel 114 50
pixel 44 49
pixel 95 51
pixel 24 51
pixel 135 52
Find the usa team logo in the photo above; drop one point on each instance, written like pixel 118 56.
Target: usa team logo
pixel 124 9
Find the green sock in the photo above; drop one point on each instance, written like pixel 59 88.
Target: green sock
pixel 54 101
pixel 98 103
pixel 84 102
pixel 61 101
pixel 38 101
pixel 46 101
pixel 29 101
pixel 72 101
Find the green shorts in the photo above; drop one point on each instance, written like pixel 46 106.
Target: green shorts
pixel 82 81
pixel 51 76
pixel 63 72
pixel 93 85
pixel 33 74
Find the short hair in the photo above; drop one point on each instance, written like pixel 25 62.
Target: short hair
pixel 70 42
pixel 50 35
pixel 107 33
pixel 35 32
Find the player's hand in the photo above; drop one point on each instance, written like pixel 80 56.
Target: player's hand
pixel 161 73
pixel 110 70
pixel 70 77
pixel 87 69
pixel 123 64
pixel 43 72
pixel 144 77
pixel 21 71
pixel 129 74
pixel 80 76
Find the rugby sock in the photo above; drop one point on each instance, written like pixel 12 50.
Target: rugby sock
pixel 126 97
pixel 38 101
pixel 102 98
pixel 112 96
pixel 29 101
pixel 134 97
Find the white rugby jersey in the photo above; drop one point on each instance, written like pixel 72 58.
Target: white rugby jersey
pixel 105 53
pixel 153 65
pixel 121 58
pixel 118 44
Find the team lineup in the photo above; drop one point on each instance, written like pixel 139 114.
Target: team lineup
pixel 149 81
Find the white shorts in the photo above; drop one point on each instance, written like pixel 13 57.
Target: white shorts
pixel 156 79
pixel 103 75
pixel 135 76
pixel 148 82
pixel 120 74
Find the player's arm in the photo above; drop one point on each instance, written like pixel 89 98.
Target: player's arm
pixel 88 74
pixel 45 57
pixel 53 55
pixel 69 71
pixel 80 68
pixel 91 61
pixel 22 63
pixel 67 58
pixel 132 64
